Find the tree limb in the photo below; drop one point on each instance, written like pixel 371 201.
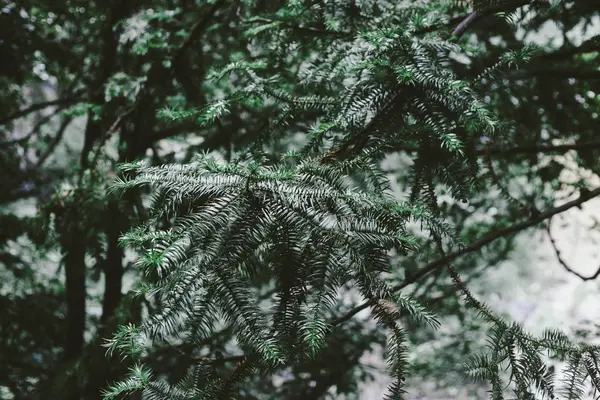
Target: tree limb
pixel 467 20
pixel 33 131
pixel 475 246
pixel 465 23
pixel 39 106
pixel 475 16
pixel 197 30
pixel 285 24
pixel 55 141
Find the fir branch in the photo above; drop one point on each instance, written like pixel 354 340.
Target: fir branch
pixel 501 233
pixel 475 246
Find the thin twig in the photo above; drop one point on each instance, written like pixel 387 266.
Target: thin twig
pixel 108 134
pixel 33 131
pixel 39 106
pixel 562 261
pixel 464 25
pixel 55 141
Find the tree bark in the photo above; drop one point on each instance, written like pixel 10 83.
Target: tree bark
pixel 75 280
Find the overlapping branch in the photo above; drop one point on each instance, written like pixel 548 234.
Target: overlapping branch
pixel 477 245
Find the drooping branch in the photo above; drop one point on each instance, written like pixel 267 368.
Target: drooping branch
pixel 510 230
pixel 477 245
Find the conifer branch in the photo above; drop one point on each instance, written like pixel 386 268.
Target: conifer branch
pixel 300 27
pixel 309 225
pixel 475 246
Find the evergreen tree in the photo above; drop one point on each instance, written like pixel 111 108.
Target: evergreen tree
pixel 318 220
pixel 259 246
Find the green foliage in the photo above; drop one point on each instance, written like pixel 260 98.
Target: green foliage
pixel 305 227
pixel 374 156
